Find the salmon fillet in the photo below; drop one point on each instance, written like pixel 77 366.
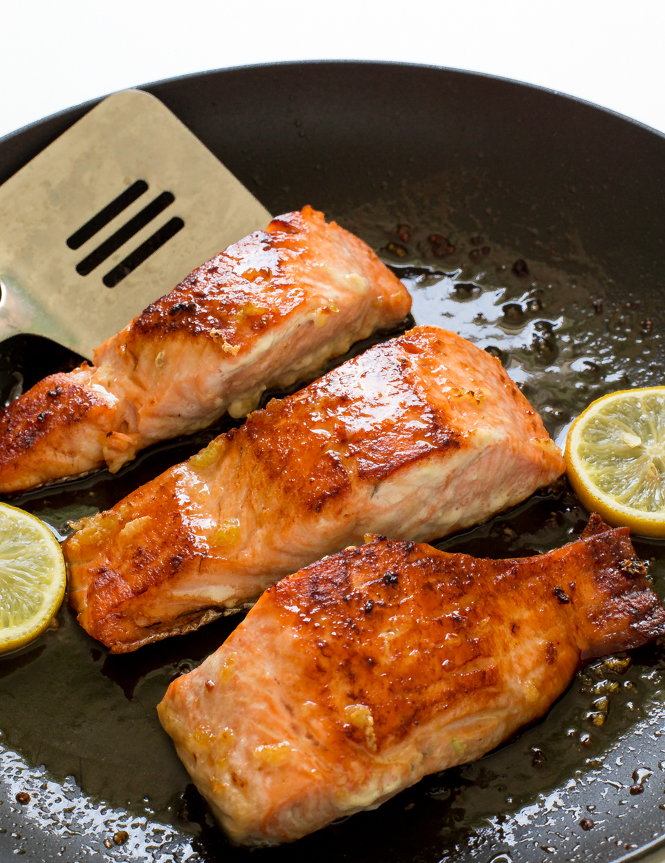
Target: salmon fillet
pixel 269 311
pixel 364 672
pixel 416 438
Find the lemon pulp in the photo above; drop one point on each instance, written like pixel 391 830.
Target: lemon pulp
pixel 32 577
pixel 615 454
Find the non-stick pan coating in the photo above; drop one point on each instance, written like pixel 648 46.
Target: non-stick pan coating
pixel 553 216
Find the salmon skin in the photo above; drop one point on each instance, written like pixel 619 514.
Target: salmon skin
pixel 269 311
pixel 416 438
pixel 357 676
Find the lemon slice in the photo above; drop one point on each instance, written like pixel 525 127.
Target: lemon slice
pixel 32 577
pixel 615 454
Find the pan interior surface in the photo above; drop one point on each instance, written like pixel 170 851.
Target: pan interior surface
pixel 530 223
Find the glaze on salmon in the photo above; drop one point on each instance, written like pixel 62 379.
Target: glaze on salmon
pixel 357 676
pixel 269 311
pixel 416 438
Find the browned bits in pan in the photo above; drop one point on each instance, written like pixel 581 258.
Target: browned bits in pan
pixel 539 758
pixel 397 250
pixel 441 246
pixel 521 268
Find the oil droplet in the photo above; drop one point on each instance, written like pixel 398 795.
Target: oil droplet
pixel 640 774
pixel 539 757
pixel 465 291
pixel 513 312
pixel 502 858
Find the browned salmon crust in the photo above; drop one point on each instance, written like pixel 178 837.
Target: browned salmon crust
pixel 362 673
pixel 416 438
pixel 269 311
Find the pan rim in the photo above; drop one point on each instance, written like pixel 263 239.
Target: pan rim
pixel 470 73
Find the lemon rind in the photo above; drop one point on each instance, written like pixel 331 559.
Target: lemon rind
pixel 592 498
pixel 17 636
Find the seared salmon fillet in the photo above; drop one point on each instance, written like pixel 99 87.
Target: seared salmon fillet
pixel 362 673
pixel 269 311
pixel 416 438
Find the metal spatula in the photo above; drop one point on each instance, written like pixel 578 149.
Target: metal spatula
pixel 109 217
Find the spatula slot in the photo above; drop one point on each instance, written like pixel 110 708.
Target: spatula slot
pixel 110 211
pixel 142 252
pixel 125 233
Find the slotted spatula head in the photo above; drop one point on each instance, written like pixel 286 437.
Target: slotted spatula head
pixel 109 217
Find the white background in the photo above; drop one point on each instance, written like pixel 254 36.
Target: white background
pixel 57 53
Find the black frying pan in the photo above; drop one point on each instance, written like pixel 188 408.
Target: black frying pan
pixel 533 224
